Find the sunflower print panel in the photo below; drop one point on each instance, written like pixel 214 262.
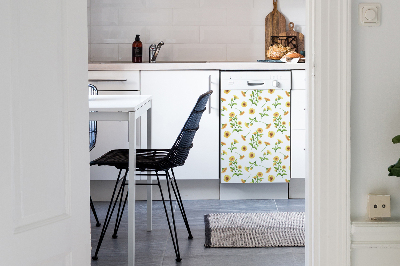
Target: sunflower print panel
pixel 255 136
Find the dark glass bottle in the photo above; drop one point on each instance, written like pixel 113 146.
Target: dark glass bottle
pixel 137 50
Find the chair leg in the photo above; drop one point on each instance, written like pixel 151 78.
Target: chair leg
pixel 180 203
pixel 174 239
pixel 109 213
pixel 94 213
pixel 120 211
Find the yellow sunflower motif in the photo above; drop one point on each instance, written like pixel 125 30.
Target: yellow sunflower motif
pixel 232 158
pixel 227 134
pixel 260 174
pixel 244 148
pixel 276 114
pixel 230 163
pixel 224 152
pixel 284 123
pixel 271 91
pixel 223 99
pixel 267 99
pixel 287 93
pixel 271 178
pixel 243 93
pixel 224 108
pixel 259 130
pixel 268 170
pixel 267 143
pixel 239 123
pixel 246 124
pixel 285 157
pixel 259 98
pixel 226 91
pixel 224 126
pixel 287 104
pixel 259 142
pixel 268 126
pixel 239 167
pixel 246 168
pixel 268 152
pixel 235 141
pixel 232 114
pixel 243 137
pixel 227 178
pixel 280 141
pixel 287 181
pixel 287 148
pixel 243 181
pixel 252 155
pixel 276 158
pixel 285 113
pixel 252 111
pixel 279 97
pixel 287 137
pixel 230 119
pixel 241 157
pixel 255 177
pixel 224 170
pixel 244 104
pixel 283 167
pixel 271 134
pixel 269 108
pixel 241 113
pixel 235 97
pixel 223 143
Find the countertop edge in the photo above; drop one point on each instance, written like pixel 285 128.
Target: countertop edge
pixel 195 66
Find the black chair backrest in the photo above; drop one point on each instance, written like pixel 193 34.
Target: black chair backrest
pixel 180 150
pixel 92 124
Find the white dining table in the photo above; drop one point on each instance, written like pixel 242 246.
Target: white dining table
pixel 127 108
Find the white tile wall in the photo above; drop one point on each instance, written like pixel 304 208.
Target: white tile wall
pixel 192 30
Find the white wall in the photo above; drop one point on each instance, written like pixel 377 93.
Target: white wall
pixel 375 108
pixel 193 30
pixel 375 120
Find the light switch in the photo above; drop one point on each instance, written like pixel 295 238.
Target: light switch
pixel 369 14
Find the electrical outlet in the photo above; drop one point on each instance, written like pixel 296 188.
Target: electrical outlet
pixel 378 206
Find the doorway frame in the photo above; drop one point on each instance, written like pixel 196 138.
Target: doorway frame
pixel 328 223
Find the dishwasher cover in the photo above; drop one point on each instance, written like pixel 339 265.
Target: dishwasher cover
pixel 255 134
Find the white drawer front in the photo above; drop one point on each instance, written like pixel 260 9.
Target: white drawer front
pixel 257 80
pixel 298 79
pixel 115 80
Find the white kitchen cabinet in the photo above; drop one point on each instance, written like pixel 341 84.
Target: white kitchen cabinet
pixel 298 109
pixel 112 134
pixel 174 96
pixel 298 154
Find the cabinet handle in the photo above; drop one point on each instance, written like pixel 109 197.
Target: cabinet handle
pixel 209 99
pixel 254 83
pixel 99 80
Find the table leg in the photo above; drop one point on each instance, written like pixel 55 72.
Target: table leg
pixel 149 178
pixel 132 190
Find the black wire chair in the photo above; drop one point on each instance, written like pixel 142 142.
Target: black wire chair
pixel 92 143
pixel 149 161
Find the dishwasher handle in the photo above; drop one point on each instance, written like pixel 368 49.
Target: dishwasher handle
pixel 249 83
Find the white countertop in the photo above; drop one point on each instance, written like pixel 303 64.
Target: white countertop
pixel 196 66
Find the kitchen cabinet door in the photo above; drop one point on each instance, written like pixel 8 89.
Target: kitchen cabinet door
pixel 298 109
pixel 298 153
pixel 174 96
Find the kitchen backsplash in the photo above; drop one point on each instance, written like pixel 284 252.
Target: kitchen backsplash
pixel 193 30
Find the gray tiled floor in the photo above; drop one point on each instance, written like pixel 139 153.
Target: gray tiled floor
pixel 155 248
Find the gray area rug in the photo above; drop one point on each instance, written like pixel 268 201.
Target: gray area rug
pixel 238 230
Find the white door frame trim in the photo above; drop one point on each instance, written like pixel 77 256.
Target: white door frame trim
pixel 328 121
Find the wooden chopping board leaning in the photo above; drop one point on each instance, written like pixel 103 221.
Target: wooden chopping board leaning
pixel 299 36
pixel 275 23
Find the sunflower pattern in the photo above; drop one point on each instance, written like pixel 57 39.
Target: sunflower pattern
pixel 255 136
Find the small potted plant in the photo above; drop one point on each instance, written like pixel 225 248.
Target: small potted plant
pixel 394 170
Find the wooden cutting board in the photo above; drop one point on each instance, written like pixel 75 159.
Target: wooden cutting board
pixel 275 23
pixel 292 32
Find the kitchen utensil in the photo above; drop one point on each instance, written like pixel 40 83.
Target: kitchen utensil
pixel 292 32
pixel 275 23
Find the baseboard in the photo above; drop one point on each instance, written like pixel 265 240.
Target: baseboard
pixel 101 190
pixel 375 243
